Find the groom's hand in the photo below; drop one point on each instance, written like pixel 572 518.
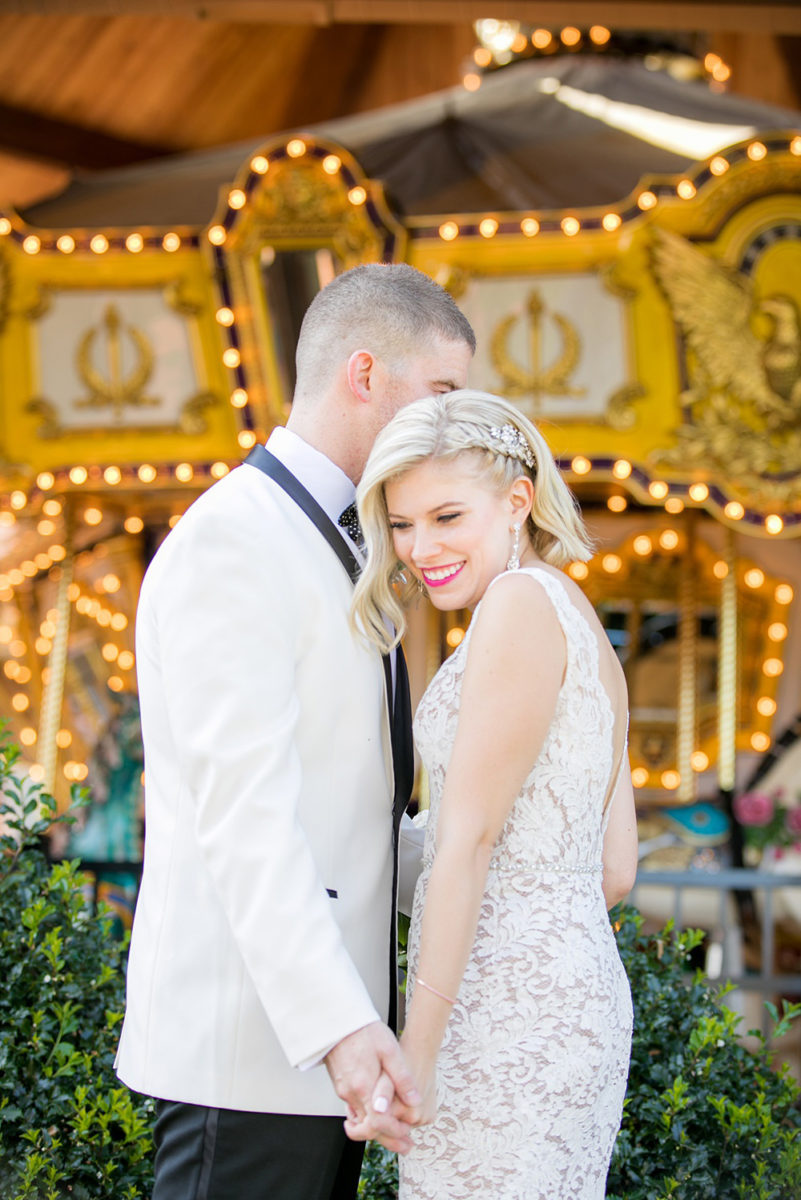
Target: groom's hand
pixel 356 1064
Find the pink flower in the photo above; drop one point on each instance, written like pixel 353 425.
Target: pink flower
pixel 754 808
pixel 794 820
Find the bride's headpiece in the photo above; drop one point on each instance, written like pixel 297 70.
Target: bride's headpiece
pixel 506 439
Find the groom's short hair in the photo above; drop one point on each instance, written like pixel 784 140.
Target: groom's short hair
pixel 390 309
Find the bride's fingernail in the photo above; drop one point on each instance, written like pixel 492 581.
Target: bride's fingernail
pixel 381 1104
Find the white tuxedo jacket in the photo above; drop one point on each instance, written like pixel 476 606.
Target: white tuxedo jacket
pixel 261 934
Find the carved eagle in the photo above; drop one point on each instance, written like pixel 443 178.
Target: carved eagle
pixel 717 310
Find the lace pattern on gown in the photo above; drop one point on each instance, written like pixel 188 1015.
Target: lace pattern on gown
pixel 532 1072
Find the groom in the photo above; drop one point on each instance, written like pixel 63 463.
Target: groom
pixel 274 747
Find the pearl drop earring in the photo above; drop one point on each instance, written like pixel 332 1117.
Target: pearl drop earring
pixel 514 558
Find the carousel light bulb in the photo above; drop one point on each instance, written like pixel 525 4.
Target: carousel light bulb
pixel 171 242
pixel 795 146
pixel 519 44
pixel 237 198
pixel 612 563
pixel 57 553
pixel 296 148
pixel 51 508
pixel 112 475
pixel 718 165
pixel 133 525
pixel 110 651
pixel 63 739
pixel 448 231
pixel 621 469
pixel 698 492
pixel 570 226
pixel 48 629
pixel 578 570
pixel 45 480
pixel 760 741
pixel 17 648
pixel 599 35
pixel 36 772
pixel 331 164
pixel 670 780
pixel 617 504
pixel 92 516
pixel 570 36
pixel 580 465
pixel 685 188
pixel 134 243
pixel 119 621
pixel 11 668
pixel 757 151
pixel 471 81
pixel 766 706
pixel 239 397
pixel 28 568
pixel 18 500
pixel 259 164
pixel 642 545
pixel 783 594
pixel 218 469
pixel 184 472
pixel 541 39
pixel 488 227
pixel 217 235
pixel 125 660
pixel 699 761
pixel 43 646
pixel 773 523
pixel 611 221
pixel 777 631
pixel 246 439
pixel 147 473
pixel 482 56
pixel 32 244
pixel 232 357
pixel 79 475
pixel 111 583
pixel 224 316
pixel 103 618
pixel 734 510
pixel 115 683
pixel 5 226
pixel 754 577
pixel 23 674
pixel 6 519
pixel 646 200
pixel 173 520
pixel 658 489
pixel 772 667
pixel 46 528
pixel 639 777
pixel 674 505
pixel 15 577
pixel 668 539
pixel 99 244
pixel 357 195
pixel 20 702
pixel 529 227
pixel 27 736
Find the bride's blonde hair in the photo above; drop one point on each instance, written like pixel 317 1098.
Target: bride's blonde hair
pixel 505 446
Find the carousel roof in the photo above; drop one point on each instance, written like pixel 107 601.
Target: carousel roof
pixel 556 133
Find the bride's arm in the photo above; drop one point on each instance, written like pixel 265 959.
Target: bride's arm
pixel 515 666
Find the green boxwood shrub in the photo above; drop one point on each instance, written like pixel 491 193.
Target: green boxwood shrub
pixel 67 1126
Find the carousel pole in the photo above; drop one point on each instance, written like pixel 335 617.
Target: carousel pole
pixel 727 690
pixel 53 696
pixel 688 645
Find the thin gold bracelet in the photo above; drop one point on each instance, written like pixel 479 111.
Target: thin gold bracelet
pixel 429 988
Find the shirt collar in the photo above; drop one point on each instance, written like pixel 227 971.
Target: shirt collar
pixel 328 483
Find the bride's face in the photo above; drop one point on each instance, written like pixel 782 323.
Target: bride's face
pixel 453 530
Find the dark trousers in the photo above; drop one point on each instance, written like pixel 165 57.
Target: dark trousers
pixel 220 1154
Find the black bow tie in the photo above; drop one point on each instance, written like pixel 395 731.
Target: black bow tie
pixel 349 520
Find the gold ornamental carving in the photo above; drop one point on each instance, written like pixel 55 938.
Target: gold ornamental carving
pixel 541 380
pixel 742 409
pixel 301 202
pixel 115 389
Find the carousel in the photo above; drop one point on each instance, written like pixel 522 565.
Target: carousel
pixel 627 245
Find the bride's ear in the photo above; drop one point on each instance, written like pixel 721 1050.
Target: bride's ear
pixel 521 498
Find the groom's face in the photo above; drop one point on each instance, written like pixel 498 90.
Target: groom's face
pixel 438 366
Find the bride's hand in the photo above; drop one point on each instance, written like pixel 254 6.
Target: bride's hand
pixel 425 1074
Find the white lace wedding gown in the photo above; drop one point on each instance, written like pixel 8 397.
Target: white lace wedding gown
pixel 532 1071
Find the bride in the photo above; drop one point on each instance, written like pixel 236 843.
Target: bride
pixel 518 1025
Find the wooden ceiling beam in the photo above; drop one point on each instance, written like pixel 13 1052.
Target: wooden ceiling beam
pixel 46 139
pixel 732 16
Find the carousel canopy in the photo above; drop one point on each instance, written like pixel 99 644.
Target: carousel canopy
pixel 544 134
